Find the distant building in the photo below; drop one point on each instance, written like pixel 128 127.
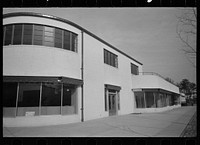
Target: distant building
pixel 56 72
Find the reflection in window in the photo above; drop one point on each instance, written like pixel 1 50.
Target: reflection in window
pixel 36 34
pixel 27 36
pixel 58 38
pixel 32 95
pixel 48 36
pixel 134 69
pixel 74 42
pixel 69 99
pixel 8 34
pixel 67 40
pixel 110 58
pixel 149 97
pixel 9 99
pixel 51 99
pixel 139 98
pixel 158 100
pixel 17 39
pixel 28 99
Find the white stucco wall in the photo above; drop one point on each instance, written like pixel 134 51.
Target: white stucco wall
pixel 153 81
pixel 97 74
pixel 93 78
pixel 31 60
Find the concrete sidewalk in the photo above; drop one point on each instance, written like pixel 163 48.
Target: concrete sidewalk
pixel 165 124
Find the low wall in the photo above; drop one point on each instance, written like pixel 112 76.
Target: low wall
pixel 40 120
pixel 153 110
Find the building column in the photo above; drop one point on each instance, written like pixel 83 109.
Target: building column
pixel 145 105
pixel 17 99
pixel 40 101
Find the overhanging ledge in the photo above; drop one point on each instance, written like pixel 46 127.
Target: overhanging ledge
pixel 49 79
pixel 113 87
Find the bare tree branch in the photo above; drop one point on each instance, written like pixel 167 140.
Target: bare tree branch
pixel 186 31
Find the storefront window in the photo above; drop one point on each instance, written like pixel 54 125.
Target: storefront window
pixel 149 100
pixel 28 99
pixel 9 99
pixel 139 98
pixel 51 99
pixel 69 99
pixel 33 99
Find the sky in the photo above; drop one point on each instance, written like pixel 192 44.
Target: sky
pixel 146 34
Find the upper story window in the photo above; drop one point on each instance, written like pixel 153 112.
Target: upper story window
pixel 110 58
pixel 34 34
pixel 27 34
pixel 134 69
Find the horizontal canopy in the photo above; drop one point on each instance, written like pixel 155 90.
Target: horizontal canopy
pixel 112 87
pixel 50 79
pixel 153 90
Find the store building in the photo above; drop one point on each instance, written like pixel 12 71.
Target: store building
pixel 56 72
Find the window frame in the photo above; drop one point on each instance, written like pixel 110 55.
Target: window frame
pixel 134 68
pixel 38 36
pixel 110 58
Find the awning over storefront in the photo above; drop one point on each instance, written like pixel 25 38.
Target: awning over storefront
pixel 153 90
pixel 50 79
pixel 113 87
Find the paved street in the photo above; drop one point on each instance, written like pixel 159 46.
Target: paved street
pixel 164 124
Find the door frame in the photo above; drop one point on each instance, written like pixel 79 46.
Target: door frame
pixel 110 111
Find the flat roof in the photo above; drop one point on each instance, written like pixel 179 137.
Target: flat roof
pixel 68 22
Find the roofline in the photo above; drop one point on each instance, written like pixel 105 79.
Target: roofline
pixel 68 22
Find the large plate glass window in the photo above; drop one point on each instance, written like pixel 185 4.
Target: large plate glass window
pixel 149 97
pixel 51 99
pixel 139 99
pixel 9 98
pixel 28 99
pixel 69 99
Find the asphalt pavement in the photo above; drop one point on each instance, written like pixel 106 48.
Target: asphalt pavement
pixel 164 124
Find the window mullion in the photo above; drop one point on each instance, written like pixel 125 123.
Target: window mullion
pixel 70 41
pixel 62 39
pixel 61 99
pixel 12 36
pixel 17 99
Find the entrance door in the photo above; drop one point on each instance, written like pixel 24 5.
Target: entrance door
pixel 112 104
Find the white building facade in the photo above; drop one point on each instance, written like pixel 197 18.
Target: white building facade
pixel 56 72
